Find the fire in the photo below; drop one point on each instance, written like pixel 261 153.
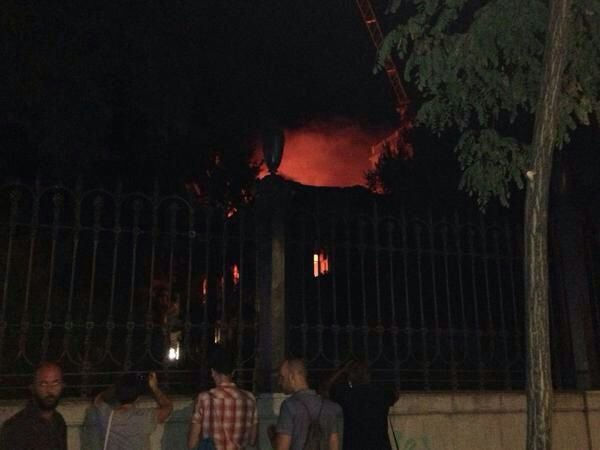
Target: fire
pixel 333 153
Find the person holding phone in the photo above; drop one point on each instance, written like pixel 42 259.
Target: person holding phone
pixel 124 426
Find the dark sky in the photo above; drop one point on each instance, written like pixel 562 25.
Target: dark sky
pixel 162 77
pixel 296 60
pixel 310 65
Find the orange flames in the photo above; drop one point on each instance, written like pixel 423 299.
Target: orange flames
pixel 334 153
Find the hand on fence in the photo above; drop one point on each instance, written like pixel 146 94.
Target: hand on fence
pixel 152 381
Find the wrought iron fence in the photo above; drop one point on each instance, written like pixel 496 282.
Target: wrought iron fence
pixel 107 281
pixel 432 299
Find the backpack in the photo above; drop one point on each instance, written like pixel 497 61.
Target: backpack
pixel 315 434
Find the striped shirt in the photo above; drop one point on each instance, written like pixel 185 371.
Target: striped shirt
pixel 228 415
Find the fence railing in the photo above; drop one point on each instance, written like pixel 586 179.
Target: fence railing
pixel 107 281
pixel 433 301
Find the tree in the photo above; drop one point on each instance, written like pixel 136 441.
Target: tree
pixel 513 77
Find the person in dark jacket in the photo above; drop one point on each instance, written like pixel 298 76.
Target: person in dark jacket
pixel 364 404
pixel 38 426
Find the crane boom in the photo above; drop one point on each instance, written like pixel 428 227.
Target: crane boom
pixel 370 20
pixel 398 142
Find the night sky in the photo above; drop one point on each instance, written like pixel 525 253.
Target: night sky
pixel 115 79
pixel 309 65
pixel 171 79
pixel 297 60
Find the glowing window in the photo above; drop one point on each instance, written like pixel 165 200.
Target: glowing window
pixel 320 263
pixel 203 289
pixel 235 272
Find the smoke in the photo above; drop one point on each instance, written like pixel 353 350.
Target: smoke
pixel 328 153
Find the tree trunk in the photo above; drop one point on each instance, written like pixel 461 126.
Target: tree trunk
pixel 539 380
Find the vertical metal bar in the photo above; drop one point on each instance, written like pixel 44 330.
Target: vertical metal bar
pixel 489 330
pixel 503 332
pixel 154 233
pixel 517 323
pixel 241 286
pixel 256 375
pixel 187 326
pixel 173 208
pixel 76 230
pixel 33 232
pixel 303 270
pixel 205 319
pixel 379 329
pixel 57 203
pixel 15 197
pixel 349 267
pixel 451 331
pixel 423 330
pixel 460 255
pixel 166 328
pixel 222 320
pixel 89 323
pixel 475 297
pixel 319 244
pixel 110 322
pixel 408 330
pixel 362 248
pixel 130 325
pixel 333 271
pixel 434 296
pixel 391 250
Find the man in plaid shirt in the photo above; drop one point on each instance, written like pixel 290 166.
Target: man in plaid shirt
pixel 226 414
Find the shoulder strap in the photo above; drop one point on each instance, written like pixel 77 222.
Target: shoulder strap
pixel 393 434
pixel 110 418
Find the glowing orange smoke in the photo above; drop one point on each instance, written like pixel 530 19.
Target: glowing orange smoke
pixel 333 153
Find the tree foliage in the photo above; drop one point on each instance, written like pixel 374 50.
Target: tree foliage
pixel 478 66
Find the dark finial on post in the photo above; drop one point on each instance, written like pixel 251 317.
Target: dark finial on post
pixel 272 144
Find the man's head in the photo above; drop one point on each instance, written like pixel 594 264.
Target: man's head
pixel 128 388
pixel 292 375
pixel 221 364
pixel 47 386
pixel 358 372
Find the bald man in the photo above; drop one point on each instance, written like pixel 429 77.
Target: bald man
pixel 38 426
pixel 300 409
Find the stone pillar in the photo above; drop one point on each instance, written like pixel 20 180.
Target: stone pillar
pixel 271 198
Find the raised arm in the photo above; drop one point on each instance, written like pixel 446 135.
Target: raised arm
pixel 195 430
pixel 325 387
pixel 165 405
pixel 104 396
pixel 334 441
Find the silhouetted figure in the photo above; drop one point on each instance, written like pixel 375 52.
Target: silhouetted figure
pixel 365 405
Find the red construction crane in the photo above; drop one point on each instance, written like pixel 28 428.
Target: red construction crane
pixel 397 142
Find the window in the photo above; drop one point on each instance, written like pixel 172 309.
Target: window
pixel 320 263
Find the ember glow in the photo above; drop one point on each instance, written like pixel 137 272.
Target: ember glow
pixel 334 153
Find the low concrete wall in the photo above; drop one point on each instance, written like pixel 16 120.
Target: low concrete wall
pixel 420 421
